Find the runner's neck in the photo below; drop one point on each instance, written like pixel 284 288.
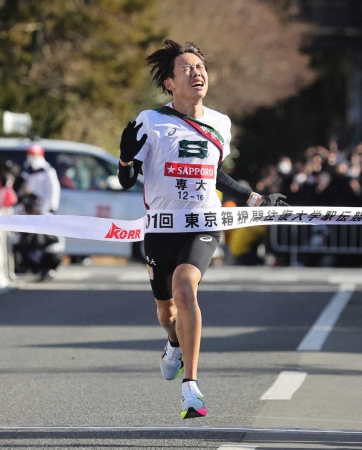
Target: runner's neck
pixel 195 111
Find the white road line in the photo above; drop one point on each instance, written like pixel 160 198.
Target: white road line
pixel 145 286
pixel 207 429
pixel 289 382
pixel 235 447
pixel 285 386
pixel 315 338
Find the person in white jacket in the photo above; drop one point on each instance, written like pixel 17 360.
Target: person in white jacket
pixel 38 185
pixel 40 179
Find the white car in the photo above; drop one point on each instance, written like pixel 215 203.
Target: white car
pixel 89 187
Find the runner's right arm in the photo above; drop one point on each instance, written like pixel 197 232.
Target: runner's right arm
pixel 127 175
pixel 128 167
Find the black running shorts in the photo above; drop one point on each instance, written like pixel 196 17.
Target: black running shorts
pixel 165 251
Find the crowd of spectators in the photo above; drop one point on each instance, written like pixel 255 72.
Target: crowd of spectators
pixel 321 177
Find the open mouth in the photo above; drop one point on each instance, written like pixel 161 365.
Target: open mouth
pixel 198 84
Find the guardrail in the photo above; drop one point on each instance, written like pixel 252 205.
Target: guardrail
pixel 318 239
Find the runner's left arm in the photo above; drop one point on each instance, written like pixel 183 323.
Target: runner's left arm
pixel 229 186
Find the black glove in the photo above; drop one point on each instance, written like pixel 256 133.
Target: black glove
pixel 129 145
pixel 274 200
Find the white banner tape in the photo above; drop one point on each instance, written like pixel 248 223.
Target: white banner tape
pixel 80 227
pixel 178 221
pixel 227 218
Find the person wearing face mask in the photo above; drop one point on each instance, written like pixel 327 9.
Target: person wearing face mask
pixel 38 191
pixel 40 179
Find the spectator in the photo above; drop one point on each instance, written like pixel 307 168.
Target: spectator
pixel 8 196
pixel 320 177
pixel 39 178
pixel 244 245
pixel 40 254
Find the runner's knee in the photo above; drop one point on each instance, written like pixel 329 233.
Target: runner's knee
pixel 166 311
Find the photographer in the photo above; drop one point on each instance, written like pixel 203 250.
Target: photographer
pixel 40 254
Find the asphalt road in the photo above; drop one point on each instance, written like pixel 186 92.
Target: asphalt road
pixel 280 362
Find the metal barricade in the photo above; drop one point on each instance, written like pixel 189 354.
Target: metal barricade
pixel 318 239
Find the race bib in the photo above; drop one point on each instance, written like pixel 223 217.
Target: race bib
pixel 189 182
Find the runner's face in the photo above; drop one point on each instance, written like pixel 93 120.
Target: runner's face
pixel 190 81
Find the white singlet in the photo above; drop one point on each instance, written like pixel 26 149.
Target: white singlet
pixel 179 164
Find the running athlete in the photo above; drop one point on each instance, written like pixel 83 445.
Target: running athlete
pixel 182 169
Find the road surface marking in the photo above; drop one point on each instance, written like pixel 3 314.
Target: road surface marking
pixel 317 335
pixel 235 447
pixel 210 429
pixel 285 386
pixel 60 284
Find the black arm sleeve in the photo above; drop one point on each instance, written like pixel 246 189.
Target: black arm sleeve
pixel 229 186
pixel 127 175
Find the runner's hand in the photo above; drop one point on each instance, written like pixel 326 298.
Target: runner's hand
pixel 129 145
pixel 274 200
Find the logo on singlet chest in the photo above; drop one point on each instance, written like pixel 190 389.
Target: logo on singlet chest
pixel 193 149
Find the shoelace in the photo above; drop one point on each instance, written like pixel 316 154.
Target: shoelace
pixel 172 355
pixel 190 392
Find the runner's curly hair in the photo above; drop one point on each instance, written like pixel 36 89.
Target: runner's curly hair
pixel 162 61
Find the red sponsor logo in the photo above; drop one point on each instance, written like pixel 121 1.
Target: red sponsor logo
pixel 189 170
pixel 119 233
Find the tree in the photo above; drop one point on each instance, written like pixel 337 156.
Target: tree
pixel 253 53
pixel 309 119
pixel 77 66
pixel 256 61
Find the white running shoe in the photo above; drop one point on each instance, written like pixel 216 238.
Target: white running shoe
pixel 192 401
pixel 171 362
